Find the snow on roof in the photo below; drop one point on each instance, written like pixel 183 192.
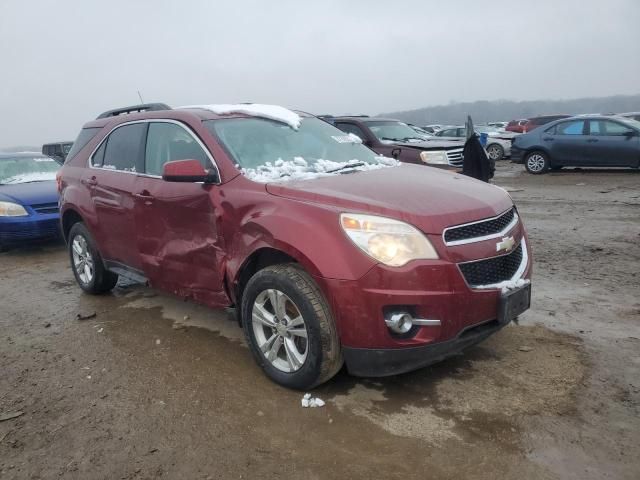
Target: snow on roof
pixel 271 112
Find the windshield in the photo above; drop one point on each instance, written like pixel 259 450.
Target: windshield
pixel 633 123
pixel 390 131
pixel 15 170
pixel 266 150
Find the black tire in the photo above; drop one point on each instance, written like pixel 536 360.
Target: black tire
pixel 536 162
pixel 102 280
pixel 497 151
pixel 323 353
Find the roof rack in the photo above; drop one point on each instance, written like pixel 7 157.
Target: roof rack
pixel 143 107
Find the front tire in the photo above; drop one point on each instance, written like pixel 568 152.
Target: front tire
pixel 495 152
pixel 536 163
pixel 289 327
pixel 86 262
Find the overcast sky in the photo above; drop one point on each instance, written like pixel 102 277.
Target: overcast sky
pixel 63 62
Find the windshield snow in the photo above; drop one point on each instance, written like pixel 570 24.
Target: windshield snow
pixel 267 151
pixel 15 170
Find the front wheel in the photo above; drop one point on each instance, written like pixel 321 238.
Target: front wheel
pixel 289 327
pixel 86 262
pixel 536 163
pixel 495 151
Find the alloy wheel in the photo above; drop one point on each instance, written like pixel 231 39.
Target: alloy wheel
pixel 82 259
pixel 536 162
pixel 494 152
pixel 279 330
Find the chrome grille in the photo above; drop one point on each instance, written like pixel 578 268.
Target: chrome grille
pixel 455 157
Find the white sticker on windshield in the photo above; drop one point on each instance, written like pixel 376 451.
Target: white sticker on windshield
pixel 349 138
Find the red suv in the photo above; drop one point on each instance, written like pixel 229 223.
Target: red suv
pixel 330 253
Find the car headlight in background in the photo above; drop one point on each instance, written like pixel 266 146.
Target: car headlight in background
pixel 9 209
pixel 438 157
pixel 389 241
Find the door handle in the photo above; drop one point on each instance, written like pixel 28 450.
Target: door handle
pixel 548 139
pixel 145 196
pixel 92 182
pixel 592 140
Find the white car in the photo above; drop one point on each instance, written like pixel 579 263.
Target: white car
pixel 497 148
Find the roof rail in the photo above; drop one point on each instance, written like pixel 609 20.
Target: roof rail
pixel 143 107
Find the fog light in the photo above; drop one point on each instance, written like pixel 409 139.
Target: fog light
pixel 399 322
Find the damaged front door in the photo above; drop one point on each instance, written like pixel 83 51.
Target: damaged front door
pixel 177 233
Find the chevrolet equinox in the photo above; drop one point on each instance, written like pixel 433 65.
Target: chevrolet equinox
pixel 330 253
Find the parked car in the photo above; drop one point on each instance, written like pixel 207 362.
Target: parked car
pixel 516 125
pixel 535 122
pixel 583 141
pixel 329 252
pixel 431 128
pixel 58 151
pixel 28 199
pixel 499 125
pixel 497 148
pixel 397 139
pixel 631 115
pixel 421 132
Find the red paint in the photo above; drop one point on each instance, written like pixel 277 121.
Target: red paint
pixel 192 239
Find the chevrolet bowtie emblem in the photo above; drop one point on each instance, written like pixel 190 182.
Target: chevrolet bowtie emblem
pixel 506 244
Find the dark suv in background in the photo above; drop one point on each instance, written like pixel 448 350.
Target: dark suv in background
pixel 58 151
pixel 393 138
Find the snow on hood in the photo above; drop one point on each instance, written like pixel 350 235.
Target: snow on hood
pixel 299 169
pixel 271 112
pixel 30 177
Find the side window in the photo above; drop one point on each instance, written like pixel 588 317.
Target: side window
pixel 351 128
pixel 167 142
pixel 607 127
pixel 575 127
pixel 551 130
pixel 98 156
pixel 450 132
pixel 462 132
pixel 125 147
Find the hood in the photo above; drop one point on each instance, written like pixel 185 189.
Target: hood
pixel 33 193
pixel 441 143
pixel 429 198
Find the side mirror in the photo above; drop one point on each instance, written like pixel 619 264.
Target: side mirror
pixel 190 171
pixel 630 133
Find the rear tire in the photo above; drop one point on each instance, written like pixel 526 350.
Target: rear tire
pixel 86 262
pixel 536 163
pixel 295 341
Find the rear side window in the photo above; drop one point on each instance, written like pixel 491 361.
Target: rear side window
pixel 98 157
pixel 84 137
pixel 570 128
pixel 167 142
pixel 607 128
pixel 125 147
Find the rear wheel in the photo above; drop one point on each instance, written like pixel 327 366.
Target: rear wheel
pixel 536 163
pixel 86 262
pixel 495 151
pixel 290 328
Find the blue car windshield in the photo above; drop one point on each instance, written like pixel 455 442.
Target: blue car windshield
pixel 20 169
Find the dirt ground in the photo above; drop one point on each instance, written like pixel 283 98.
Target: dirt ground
pixel 153 387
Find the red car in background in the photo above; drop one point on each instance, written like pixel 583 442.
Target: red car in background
pixel 330 253
pixel 516 126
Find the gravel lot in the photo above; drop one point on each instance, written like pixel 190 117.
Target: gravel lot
pixel 153 387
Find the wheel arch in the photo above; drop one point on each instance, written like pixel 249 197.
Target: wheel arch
pixel 69 218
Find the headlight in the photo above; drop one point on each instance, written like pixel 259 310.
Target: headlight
pixel 438 157
pixel 9 209
pixel 389 241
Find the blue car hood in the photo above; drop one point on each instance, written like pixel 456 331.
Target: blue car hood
pixel 33 193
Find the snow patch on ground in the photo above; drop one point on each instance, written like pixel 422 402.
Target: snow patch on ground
pixel 271 112
pixel 311 402
pixel 30 177
pixel 300 169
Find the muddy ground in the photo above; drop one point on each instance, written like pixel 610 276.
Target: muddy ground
pixel 153 387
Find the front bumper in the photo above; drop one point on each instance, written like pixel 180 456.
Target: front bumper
pixel 517 154
pixel 15 230
pixel 382 362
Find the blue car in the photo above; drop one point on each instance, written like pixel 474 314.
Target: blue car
pixel 28 199
pixel 582 141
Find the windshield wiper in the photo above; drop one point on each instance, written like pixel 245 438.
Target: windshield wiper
pixel 391 139
pixel 344 167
